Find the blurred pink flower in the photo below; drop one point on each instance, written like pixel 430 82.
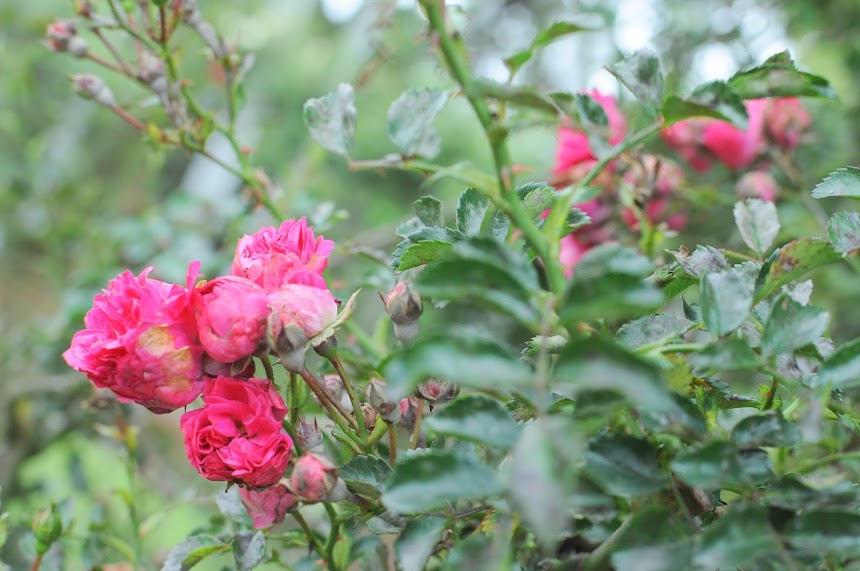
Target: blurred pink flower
pixel 237 435
pixel 686 138
pixel 269 506
pixel 573 147
pixel 290 254
pixel 141 342
pixel 570 253
pixel 232 314
pixel 757 184
pixel 785 121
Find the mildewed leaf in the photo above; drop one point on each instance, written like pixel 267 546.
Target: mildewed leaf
pixel 766 429
pixel 727 355
pixel 656 540
pixel 624 465
pixel 429 211
pixel 791 262
pixel 477 418
pixel 844 232
pixel 720 465
pixel 544 37
pixel 726 301
pixel 791 326
pixel 843 182
pixel 423 247
pixel 842 369
pixel 230 504
pixel 427 480
pixel 779 77
pixel 652 329
pixel 703 260
pixel 757 222
pixel 192 551
pixel 249 549
pixel 410 121
pixel 365 474
pixel 640 73
pixel 471 209
pixel 331 119
pixel 715 99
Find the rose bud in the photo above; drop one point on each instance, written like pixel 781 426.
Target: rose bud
pixel 369 415
pixel 232 314
pixel 141 343
pixel 93 87
pixel 313 478
pixel 237 435
pixel 785 121
pixel 408 412
pixel 334 385
pixel 290 254
pixel 243 368
pixel 404 306
pixel 63 37
pixel 309 437
pixel 269 506
pixel 757 184
pixel 437 391
pixel 379 399
pixel 310 308
pixel 47 527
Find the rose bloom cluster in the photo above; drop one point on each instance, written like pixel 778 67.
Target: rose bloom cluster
pixel 774 125
pixel 162 345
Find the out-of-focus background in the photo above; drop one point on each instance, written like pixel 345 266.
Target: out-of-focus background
pixel 83 197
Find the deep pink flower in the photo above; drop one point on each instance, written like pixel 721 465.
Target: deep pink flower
pixel 313 478
pixel 570 253
pixel 237 435
pixel 573 147
pixel 785 120
pixel 63 37
pixel 141 343
pixel 231 313
pixel 290 254
pixel 757 184
pixel 311 308
pixel 269 506
pixel 685 137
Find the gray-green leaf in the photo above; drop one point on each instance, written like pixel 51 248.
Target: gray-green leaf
pixel 842 182
pixel 726 301
pixel 757 222
pixel 410 121
pixel 477 418
pixel 791 326
pixel 844 232
pixel 640 73
pixel 331 119
pixel 429 211
pixel 471 210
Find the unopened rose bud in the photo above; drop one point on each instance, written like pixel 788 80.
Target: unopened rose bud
pixel 437 391
pixel 63 37
pixel 47 527
pixel 379 398
pixel 404 307
pixel 84 8
pixel 290 347
pixel 313 478
pixel 327 349
pixel 309 437
pixel 93 87
pixel 267 506
pixel 369 415
pixel 151 71
pixel 334 386
pixel 408 412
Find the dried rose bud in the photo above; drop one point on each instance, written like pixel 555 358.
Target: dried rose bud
pixel 63 37
pixel 379 399
pixel 313 478
pixel 437 391
pixel 404 307
pixel 84 8
pixel 309 437
pixel 151 71
pixel 93 87
pixel 369 415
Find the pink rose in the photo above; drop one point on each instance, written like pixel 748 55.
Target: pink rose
pixel 311 308
pixel 141 343
pixel 757 184
pixel 571 252
pixel 685 137
pixel 573 147
pixel 289 255
pixel 313 478
pixel 237 435
pixel 785 120
pixel 269 506
pixel 657 179
pixel 231 313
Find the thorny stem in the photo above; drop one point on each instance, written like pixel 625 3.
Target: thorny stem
pixel 350 390
pixel 126 68
pixel 326 399
pixel 771 394
pixel 416 430
pixel 317 546
pixel 267 366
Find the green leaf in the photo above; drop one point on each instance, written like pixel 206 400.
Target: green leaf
pixel 331 119
pixel 726 301
pixel 429 211
pixel 790 493
pixel 791 262
pixel 471 210
pixel 469 361
pixel 833 532
pixel 703 260
pixel 476 418
pixel 737 539
pixel 428 479
pixel 727 355
pixel 779 77
pixel 720 465
pixel 842 369
pixel 652 329
pixel 537 198
pixel 423 247
pixel 593 365
pixel 520 95
pixel 715 99
pixel 843 182
pixel 766 429
pixel 410 121
pixel 655 540
pixel 416 543
pixel 249 549
pixel 543 38
pixel 640 73
pixel 592 116
pixel 791 326
pixel 230 504
pixel 844 232
pixel 757 222
pixel 487 271
pixel 192 551
pixel 612 258
pixel 365 474
pixel 624 465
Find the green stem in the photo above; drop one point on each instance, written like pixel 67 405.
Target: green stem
pixel 378 431
pixel 350 390
pixel 392 444
pixel 599 560
pixel 771 394
pixel 267 366
pixel 339 414
pixel 672 348
pixel 815 464
pixel 737 256
pixel 294 399
pixel 480 181
pixel 416 430
pixel 318 547
pixel 332 534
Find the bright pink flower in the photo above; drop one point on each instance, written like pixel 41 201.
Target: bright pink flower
pixel 231 313
pixel 729 144
pixel 237 435
pixel 141 343
pixel 685 137
pixel 570 253
pixel 785 120
pixel 313 478
pixel 311 308
pixel 269 506
pixel 757 184
pixel 573 147
pixel 290 254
